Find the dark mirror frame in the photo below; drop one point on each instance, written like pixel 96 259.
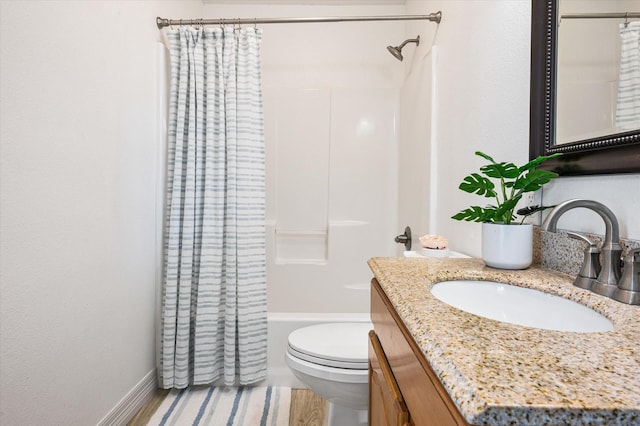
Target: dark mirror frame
pixel 617 153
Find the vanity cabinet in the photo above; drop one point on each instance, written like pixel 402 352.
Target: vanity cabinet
pixel 403 389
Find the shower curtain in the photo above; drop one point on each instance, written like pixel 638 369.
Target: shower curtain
pixel 628 105
pixel 214 316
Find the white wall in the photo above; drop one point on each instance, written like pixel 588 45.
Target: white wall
pixel 621 193
pixel 78 250
pixel 482 99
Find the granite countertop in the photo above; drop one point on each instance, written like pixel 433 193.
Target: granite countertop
pixel 499 373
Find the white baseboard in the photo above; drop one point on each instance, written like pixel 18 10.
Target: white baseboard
pixel 132 402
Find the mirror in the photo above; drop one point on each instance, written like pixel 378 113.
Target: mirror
pixel 585 151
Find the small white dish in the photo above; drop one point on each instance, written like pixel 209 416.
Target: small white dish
pixel 427 252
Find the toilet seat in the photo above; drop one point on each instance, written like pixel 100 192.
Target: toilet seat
pixel 327 362
pixel 337 345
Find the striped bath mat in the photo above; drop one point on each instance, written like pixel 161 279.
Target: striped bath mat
pixel 225 406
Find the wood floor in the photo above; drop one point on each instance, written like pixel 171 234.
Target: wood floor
pixel 307 409
pixel 143 415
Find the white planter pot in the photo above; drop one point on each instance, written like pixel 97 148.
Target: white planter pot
pixel 507 246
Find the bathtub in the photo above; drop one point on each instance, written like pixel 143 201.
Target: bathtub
pixel 280 324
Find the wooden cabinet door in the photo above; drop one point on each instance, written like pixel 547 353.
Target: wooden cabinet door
pixel 427 401
pixel 386 406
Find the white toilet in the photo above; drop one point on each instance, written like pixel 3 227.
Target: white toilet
pixel 332 360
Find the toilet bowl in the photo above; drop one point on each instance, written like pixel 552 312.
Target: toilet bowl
pixel 332 360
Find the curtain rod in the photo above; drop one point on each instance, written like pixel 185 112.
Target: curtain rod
pixel 620 15
pixel 164 22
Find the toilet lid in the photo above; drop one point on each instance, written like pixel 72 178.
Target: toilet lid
pixel 341 345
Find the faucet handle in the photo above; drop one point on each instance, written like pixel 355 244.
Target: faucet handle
pixel 628 290
pixel 591 264
pixel 633 256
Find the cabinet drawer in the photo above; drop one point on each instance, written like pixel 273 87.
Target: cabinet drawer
pixel 387 407
pixel 427 401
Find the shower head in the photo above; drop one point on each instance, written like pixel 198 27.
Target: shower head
pixel 396 51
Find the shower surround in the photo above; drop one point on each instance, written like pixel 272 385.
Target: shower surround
pixel 331 105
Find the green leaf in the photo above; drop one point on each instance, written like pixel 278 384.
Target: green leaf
pixel 528 211
pixel 534 179
pixel 512 182
pixel 485 156
pixel 476 214
pixel 501 170
pixel 476 184
pixel 504 212
pixel 537 161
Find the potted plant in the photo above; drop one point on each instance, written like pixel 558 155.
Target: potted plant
pixel 506 243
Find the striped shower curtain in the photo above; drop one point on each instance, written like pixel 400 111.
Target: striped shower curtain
pixel 628 106
pixel 214 290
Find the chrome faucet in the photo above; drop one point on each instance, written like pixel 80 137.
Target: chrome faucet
pixel 629 286
pixel 606 282
pixel 591 264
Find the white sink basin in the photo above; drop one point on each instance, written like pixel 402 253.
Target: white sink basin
pixel 521 306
